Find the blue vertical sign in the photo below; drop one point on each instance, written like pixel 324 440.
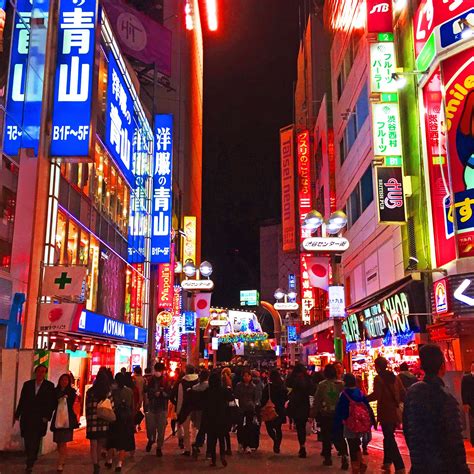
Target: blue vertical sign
pixel 162 189
pixel 17 78
pixel 292 336
pixel 72 102
pixel 139 214
pixel 291 286
pixel 119 120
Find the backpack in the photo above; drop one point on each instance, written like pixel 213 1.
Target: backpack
pixel 358 420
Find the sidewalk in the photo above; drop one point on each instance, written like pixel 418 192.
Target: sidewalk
pixel 263 461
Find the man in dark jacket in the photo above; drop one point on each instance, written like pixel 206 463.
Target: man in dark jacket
pixel 35 408
pixel 184 407
pixel 158 393
pixel 432 421
pixel 467 394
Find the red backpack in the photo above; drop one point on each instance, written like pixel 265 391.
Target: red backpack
pixel 358 420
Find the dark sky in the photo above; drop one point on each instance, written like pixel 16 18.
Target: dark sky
pixel 249 70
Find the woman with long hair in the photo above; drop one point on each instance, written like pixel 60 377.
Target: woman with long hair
pixel 64 419
pixel 275 391
pixel 97 428
pixel 121 434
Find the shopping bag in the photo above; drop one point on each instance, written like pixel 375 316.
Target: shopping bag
pixel 62 414
pixel 105 411
pixel 268 411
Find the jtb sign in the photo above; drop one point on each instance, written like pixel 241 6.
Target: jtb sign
pixel 162 189
pixel 17 78
pixel 119 123
pixel 71 133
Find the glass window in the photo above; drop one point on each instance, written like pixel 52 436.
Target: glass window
pixel 351 131
pixel 60 246
pixel 93 274
pixel 355 210
pixel 367 191
pixel 72 243
pixel 342 149
pixel 84 248
pixel 362 107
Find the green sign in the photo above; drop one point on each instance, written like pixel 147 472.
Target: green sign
pixel 389 97
pixel 249 298
pixel 385 37
pixel 427 54
pixel 386 129
pixel 393 161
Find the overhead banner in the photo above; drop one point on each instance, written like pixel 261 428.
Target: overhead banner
pixel 390 196
pixel 189 240
pixel 73 91
pixel 63 281
pixel 140 36
pixel 318 272
pixel 288 205
pixel 202 304
pixel 162 189
pixel 58 317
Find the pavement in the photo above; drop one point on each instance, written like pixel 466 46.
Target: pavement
pixel 261 462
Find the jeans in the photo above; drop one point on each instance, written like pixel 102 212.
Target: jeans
pixel 155 426
pixel 354 448
pixel 300 424
pixel 32 446
pixel 274 431
pixel 391 454
pixel 212 439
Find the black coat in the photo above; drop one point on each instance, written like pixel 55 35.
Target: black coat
pixel 71 395
pixel 215 413
pixel 33 408
pixel 432 427
pixel 279 396
pixel 301 389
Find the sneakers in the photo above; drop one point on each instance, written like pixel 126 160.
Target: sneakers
pixel 159 453
pixel 148 446
pixel 302 452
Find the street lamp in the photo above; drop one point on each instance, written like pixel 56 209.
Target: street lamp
pixel 279 294
pixel 206 269
pixel 313 220
pixel 189 268
pixel 336 222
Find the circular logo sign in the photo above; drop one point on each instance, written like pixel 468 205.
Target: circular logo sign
pixel 131 31
pixel 164 319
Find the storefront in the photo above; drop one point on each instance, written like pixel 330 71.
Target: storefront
pixel 390 323
pixel 318 345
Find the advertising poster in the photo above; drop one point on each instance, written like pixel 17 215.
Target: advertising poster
pixel 390 196
pixel 458 79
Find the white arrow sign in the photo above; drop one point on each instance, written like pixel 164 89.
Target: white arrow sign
pixel 459 293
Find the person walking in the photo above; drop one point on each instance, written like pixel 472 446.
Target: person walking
pixel 184 407
pixel 158 394
pixel 98 426
pixel 389 394
pixel 34 410
pixel 64 420
pixel 467 395
pixel 366 437
pixel 246 394
pixel 197 407
pixel 226 381
pixel 121 434
pixel 325 401
pixel 353 417
pixel 139 387
pixel 215 416
pixel 275 391
pixel 407 378
pixel 432 420
pixel 298 406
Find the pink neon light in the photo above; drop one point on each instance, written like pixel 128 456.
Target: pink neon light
pixel 211 8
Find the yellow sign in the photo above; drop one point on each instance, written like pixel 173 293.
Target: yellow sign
pixel 189 241
pixel 164 318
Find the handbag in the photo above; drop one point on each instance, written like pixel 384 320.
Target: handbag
pixel 268 411
pixel 62 415
pixel 105 411
pixel 236 414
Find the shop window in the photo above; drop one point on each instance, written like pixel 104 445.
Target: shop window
pixel 72 243
pixel 93 274
pixel 84 248
pixel 60 246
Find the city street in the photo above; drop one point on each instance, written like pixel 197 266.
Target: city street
pixel 262 461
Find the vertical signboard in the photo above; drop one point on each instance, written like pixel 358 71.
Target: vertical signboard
pixel 336 302
pixel 382 64
pixel 165 285
pixel 119 120
pixel 437 158
pixel 458 78
pixel 288 218
pixel 17 78
pixel 189 240
pixel 390 197
pixel 162 189
pixel 72 102
pixel 386 129
pixel 304 206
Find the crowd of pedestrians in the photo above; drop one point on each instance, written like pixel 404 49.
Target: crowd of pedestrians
pixel 204 407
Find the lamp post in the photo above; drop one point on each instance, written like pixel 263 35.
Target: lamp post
pixel 193 284
pixel 286 301
pixel 330 242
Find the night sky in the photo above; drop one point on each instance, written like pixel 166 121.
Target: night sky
pixel 249 71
